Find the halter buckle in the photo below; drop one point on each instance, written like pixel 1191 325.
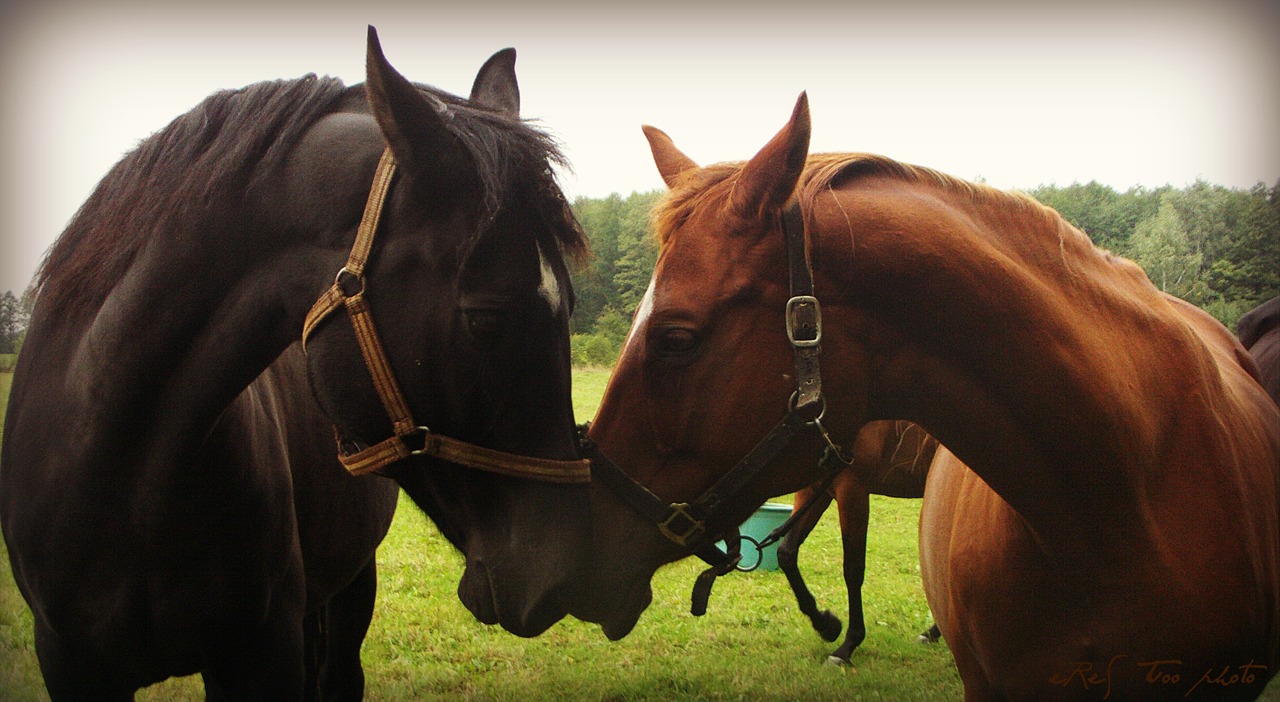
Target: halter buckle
pixel 804 321
pixel 692 527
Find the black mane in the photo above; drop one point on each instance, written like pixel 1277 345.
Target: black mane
pixel 202 158
pixel 514 154
pixel 214 154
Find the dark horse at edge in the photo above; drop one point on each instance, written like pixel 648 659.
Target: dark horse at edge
pixel 1259 332
pixel 170 496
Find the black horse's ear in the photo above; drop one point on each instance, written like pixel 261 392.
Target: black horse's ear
pixel 495 87
pixel 415 125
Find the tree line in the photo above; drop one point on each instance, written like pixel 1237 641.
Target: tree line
pixel 15 312
pixel 1216 247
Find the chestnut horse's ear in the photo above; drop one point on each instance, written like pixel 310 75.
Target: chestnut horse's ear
pixel 769 178
pixel 671 161
pixel 495 87
pixel 414 124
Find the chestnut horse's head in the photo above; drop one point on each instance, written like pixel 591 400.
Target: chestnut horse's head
pixel 707 370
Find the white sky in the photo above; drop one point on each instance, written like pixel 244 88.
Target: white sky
pixel 1125 92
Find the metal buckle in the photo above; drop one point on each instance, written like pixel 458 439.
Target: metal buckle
pixel 694 525
pixel 804 315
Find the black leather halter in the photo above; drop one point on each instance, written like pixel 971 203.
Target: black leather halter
pixel 684 523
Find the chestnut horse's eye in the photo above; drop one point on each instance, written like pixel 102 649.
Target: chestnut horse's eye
pixel 675 343
pixel 485 325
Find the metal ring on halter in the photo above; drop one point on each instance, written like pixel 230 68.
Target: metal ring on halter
pixel 795 397
pixel 418 432
pixel 345 275
pixel 759 554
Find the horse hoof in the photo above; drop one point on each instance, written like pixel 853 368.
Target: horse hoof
pixel 932 636
pixel 839 662
pixel 828 626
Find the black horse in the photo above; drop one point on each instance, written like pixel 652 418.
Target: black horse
pixel 171 499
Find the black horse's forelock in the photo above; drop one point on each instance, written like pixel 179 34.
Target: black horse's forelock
pixel 514 161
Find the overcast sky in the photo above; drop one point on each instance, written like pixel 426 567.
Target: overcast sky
pixel 1146 92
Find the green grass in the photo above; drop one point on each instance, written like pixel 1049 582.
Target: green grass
pixel 588 388
pixel 752 644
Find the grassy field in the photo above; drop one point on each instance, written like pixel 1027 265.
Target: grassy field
pixel 752 644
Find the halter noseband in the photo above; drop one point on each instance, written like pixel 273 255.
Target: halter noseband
pixel 409 438
pixel 684 523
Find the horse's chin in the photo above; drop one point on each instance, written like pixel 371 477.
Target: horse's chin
pixel 478 595
pixel 623 619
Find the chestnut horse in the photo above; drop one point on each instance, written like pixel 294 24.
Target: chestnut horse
pixel 1115 523
pixel 170 495
pixel 1259 331
pixel 889 458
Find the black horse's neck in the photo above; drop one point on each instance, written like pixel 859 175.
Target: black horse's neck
pixel 187 329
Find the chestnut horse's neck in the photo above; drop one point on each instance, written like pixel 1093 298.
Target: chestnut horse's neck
pixel 1053 369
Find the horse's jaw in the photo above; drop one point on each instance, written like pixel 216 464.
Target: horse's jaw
pixel 624 621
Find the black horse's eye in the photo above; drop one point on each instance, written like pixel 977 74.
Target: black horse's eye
pixel 675 343
pixel 485 325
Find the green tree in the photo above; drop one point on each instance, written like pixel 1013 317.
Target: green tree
pixel 1108 217
pixel 13 324
pixel 601 347
pixel 1160 245
pixel 638 251
pixel 1246 269
pixel 593 284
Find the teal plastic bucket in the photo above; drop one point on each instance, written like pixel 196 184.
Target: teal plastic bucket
pixel 770 516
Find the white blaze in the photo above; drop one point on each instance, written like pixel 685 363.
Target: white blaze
pixel 642 313
pixel 549 288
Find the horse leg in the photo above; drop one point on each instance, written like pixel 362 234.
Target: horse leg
pixel 314 640
pixel 824 622
pixel 269 666
pixel 854 504
pixel 346 622
pixel 70 674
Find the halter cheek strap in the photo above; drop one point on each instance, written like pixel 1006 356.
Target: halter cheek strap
pixel 409 438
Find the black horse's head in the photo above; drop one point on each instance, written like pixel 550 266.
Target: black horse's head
pixel 468 286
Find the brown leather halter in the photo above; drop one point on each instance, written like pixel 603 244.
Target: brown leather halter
pixel 685 523
pixel 409 438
